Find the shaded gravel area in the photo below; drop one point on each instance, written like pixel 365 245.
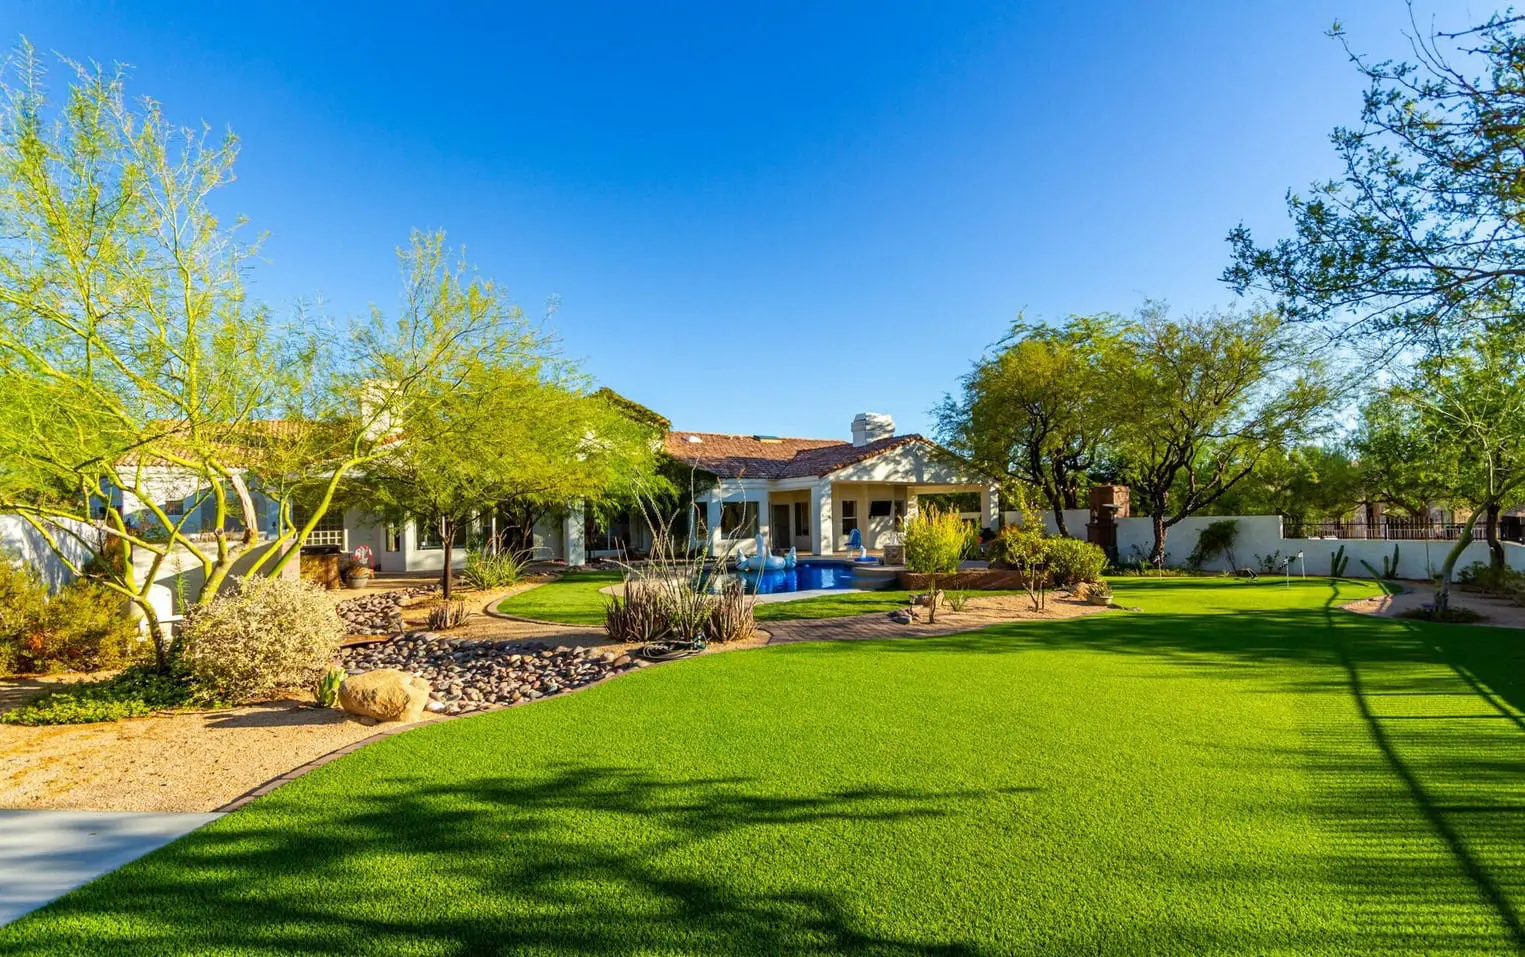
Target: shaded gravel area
pixel 475 675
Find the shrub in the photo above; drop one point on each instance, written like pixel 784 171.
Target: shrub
pixel 1071 561
pixel 1095 593
pixel 135 693
pixel 637 616
pixel 267 635
pixel 485 570
pixel 1214 538
pixel 85 627
pixel 447 614
pixel 730 617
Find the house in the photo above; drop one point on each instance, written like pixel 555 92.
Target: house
pixel 811 494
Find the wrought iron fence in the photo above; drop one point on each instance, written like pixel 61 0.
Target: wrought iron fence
pixel 1399 530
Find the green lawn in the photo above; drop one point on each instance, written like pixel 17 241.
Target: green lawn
pixel 572 599
pixel 575 599
pixel 1237 768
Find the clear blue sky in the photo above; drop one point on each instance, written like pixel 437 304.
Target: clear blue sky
pixel 759 217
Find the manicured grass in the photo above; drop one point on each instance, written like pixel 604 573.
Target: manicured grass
pixel 572 599
pixel 575 599
pixel 1237 768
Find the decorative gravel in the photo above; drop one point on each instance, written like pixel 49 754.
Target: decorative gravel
pixel 469 675
pixel 378 614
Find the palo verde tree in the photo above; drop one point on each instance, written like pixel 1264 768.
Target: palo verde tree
pixel 508 421
pixel 1035 409
pixel 1203 398
pixel 140 390
pixel 1424 232
pixel 131 359
pixel 934 540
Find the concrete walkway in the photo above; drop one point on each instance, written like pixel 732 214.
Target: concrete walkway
pixel 45 854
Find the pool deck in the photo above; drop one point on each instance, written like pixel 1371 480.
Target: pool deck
pixel 779 596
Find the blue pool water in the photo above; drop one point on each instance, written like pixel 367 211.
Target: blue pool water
pixel 805 576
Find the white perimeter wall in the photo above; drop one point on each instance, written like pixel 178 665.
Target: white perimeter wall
pixel 19 540
pixel 1260 536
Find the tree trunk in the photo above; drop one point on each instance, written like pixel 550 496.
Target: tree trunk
pixel 1064 531
pixel 1443 592
pixel 1496 557
pixel 1157 553
pixel 932 599
pixel 447 534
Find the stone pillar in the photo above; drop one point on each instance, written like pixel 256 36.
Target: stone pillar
pixel 574 537
pixel 821 512
pixel 990 508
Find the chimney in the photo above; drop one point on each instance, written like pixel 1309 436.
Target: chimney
pixel 871 427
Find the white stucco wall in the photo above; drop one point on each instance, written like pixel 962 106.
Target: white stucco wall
pixel 20 541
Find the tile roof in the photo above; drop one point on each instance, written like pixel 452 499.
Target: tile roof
pixel 750 456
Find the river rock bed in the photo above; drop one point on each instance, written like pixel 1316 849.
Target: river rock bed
pixel 468 675
pixel 378 614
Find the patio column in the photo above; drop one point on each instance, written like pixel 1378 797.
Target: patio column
pixel 820 508
pixel 712 522
pixel 990 508
pixel 574 536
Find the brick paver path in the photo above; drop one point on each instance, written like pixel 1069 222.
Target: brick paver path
pixel 858 628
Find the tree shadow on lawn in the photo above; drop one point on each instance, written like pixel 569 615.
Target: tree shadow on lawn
pixel 578 860
pixel 1424 790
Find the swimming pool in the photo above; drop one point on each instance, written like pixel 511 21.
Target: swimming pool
pixel 808 575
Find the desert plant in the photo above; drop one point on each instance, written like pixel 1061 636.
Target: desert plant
pixel 935 542
pixel 265 636
pixel 730 617
pixel 637 616
pixel 1389 567
pixel 1024 548
pixel 327 689
pixel 1271 563
pixel 486 570
pixel 1072 561
pixel 1337 563
pixel 956 600
pixel 447 614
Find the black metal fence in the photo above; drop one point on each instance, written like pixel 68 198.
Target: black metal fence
pixel 1398 530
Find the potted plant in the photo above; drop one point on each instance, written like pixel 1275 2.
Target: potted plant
pixel 357 574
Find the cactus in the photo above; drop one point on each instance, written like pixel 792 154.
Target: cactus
pixel 1337 563
pixel 1389 567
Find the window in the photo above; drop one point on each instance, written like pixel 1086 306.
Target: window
pixel 393 539
pixel 328 531
pixel 429 536
pixel 849 516
pixel 880 508
pixel 174 507
pixel 802 518
pixel 961 502
pixel 738 519
pixel 607 535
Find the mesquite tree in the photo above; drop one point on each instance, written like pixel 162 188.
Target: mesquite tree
pixel 1200 400
pixel 1036 409
pixel 1424 232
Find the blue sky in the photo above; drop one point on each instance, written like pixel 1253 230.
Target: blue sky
pixel 765 217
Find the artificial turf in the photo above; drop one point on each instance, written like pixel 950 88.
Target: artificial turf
pixel 1236 768
pixel 572 599
pixel 575 599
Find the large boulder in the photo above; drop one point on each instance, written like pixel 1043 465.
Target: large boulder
pixel 385 694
